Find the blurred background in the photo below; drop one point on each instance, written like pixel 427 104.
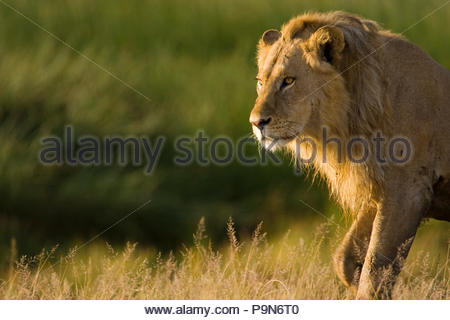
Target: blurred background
pixel 196 62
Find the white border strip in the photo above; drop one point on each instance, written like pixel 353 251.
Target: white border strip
pixel 256 309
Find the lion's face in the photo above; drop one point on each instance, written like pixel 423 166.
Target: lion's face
pixel 292 99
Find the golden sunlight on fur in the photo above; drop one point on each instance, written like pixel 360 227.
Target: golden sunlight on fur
pixel 327 79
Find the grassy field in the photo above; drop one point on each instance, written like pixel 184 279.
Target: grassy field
pixel 194 66
pixel 289 268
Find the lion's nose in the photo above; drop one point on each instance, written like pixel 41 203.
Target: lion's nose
pixel 260 123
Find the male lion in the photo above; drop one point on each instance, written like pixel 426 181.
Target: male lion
pixel 327 78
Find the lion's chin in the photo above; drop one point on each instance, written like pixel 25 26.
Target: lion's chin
pixel 273 144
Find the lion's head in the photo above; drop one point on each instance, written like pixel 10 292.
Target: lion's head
pixel 306 80
pixel 324 71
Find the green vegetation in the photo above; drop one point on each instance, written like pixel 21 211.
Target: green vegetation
pixel 195 62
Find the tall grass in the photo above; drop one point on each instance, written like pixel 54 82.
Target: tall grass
pixel 290 268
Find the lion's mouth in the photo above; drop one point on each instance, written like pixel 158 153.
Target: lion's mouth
pixel 270 139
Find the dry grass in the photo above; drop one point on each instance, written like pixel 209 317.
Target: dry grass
pixel 255 269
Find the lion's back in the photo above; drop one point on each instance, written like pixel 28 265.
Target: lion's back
pixel 419 91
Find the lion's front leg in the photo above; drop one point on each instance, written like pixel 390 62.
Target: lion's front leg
pixel 394 228
pixel 349 258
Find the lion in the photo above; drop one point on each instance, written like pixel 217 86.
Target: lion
pixel 341 74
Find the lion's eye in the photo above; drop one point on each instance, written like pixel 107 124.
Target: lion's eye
pixel 258 86
pixel 287 82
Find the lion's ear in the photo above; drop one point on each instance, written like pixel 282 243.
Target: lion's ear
pixel 270 37
pixel 327 44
